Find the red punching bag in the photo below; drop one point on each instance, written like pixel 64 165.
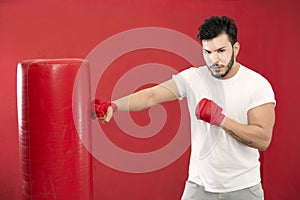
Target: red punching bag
pixel 55 163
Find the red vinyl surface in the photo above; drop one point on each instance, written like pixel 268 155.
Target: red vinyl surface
pixel 55 164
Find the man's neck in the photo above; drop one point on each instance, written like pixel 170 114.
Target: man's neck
pixel 235 68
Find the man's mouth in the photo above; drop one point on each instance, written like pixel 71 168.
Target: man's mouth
pixel 216 67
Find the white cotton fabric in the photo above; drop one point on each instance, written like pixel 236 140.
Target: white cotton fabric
pixel 218 161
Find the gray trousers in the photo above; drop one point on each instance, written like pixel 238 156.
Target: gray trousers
pixel 192 191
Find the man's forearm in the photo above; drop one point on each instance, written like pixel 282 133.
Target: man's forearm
pixel 135 102
pixel 148 97
pixel 250 135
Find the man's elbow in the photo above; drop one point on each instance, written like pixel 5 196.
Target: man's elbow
pixel 264 147
pixel 266 142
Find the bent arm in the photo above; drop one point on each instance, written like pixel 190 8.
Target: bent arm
pixel 166 91
pixel 258 132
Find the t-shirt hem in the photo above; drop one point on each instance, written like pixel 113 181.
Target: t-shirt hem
pixel 262 103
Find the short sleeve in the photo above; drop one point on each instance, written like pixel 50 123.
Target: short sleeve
pixel 263 94
pixel 181 80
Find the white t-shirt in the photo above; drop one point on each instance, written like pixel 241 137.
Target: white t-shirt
pixel 218 161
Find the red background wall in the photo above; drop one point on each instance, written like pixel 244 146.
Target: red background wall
pixel 269 36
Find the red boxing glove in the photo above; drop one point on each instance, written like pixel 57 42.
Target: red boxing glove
pixel 210 112
pixel 100 108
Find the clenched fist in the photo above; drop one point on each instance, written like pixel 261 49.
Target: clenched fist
pixel 100 107
pixel 210 112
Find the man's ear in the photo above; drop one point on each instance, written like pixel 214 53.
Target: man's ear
pixel 236 48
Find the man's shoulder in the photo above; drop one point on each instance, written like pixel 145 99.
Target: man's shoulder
pixel 253 77
pixel 194 68
pixel 251 72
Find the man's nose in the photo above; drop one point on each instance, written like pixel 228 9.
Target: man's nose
pixel 214 57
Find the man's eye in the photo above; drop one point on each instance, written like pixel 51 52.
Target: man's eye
pixel 221 50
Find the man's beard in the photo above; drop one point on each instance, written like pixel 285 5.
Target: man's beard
pixel 228 68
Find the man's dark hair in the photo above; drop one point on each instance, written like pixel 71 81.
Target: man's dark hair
pixel 215 26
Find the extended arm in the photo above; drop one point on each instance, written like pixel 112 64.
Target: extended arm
pixel 145 98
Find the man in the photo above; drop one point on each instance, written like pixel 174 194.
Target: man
pixel 232 116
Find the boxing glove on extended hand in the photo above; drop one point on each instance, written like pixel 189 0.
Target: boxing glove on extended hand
pixel 210 112
pixel 101 107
